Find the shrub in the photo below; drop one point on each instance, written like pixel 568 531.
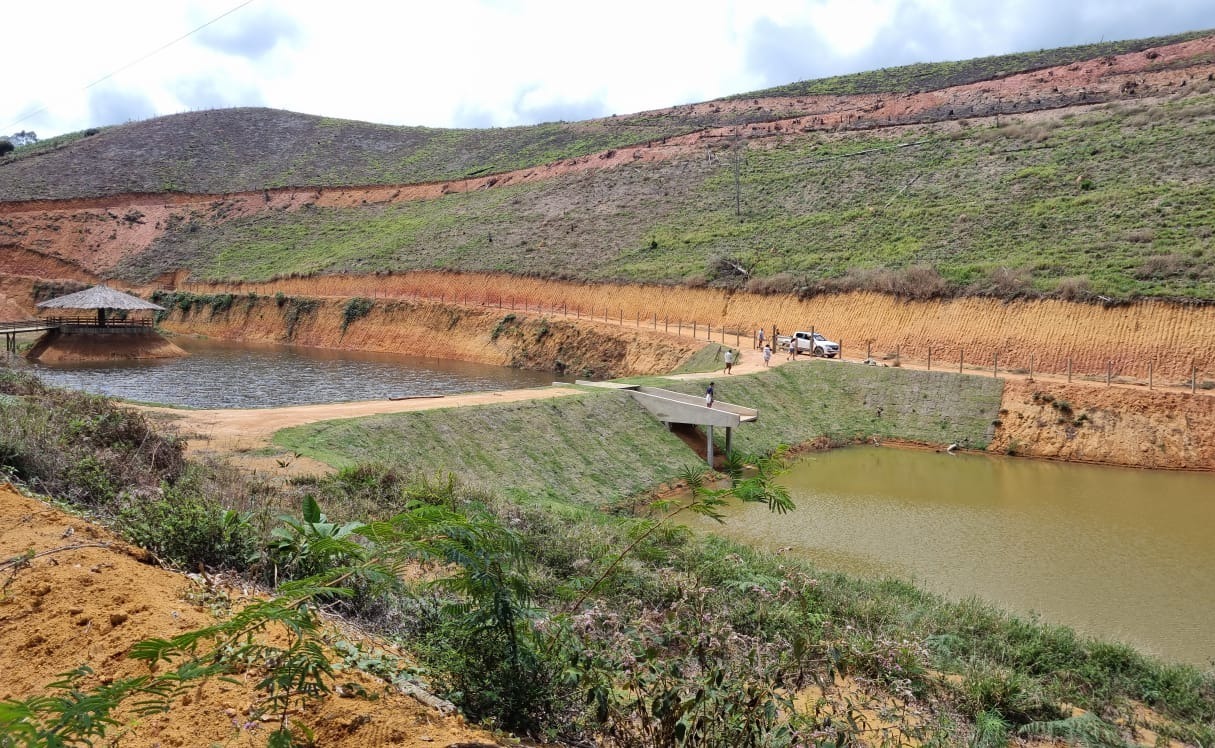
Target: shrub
pixel 1161 266
pixel 916 282
pixel 296 310
pixel 79 447
pixel 503 325
pixel 186 528
pixel 1075 288
pixel 355 309
pixel 1004 283
pixel 6 147
pixel 772 285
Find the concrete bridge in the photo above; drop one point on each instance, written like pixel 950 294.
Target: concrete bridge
pixel 676 407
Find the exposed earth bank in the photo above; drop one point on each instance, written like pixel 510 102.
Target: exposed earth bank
pixel 92 597
pixel 1118 426
pixel 424 328
pixel 1035 335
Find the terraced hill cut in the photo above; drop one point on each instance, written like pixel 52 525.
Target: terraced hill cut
pixel 1086 179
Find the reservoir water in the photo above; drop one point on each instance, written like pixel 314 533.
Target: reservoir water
pixel 1126 555
pixel 225 374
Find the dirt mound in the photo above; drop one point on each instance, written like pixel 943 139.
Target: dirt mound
pixel 58 347
pixel 1120 426
pixel 87 598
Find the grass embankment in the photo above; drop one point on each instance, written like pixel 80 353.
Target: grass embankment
pixel 801 402
pixel 601 447
pixel 588 449
pixel 1116 201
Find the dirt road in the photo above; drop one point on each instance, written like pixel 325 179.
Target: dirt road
pixel 243 434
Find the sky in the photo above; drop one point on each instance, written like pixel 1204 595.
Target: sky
pixel 74 64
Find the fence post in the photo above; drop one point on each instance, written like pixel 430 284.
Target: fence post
pixel 1193 378
pixel 622 317
pixel 930 358
pixel 869 350
pixel 961 359
pixel 1069 369
pixel 841 350
pixel 1031 367
pixel 995 365
pixel 1149 374
pixel 1109 370
pixel 898 359
pixel 693 329
pixel 639 320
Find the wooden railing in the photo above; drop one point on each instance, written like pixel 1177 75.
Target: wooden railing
pixel 91 321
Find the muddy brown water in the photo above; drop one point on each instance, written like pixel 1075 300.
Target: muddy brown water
pixel 225 374
pixel 1121 554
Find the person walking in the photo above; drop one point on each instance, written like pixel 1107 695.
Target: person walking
pixel 729 358
pixel 792 349
pixel 759 338
pixel 767 354
pixel 709 396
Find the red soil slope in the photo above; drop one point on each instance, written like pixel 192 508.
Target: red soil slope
pixel 90 236
pixel 91 597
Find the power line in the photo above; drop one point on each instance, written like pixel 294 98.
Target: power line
pixel 133 63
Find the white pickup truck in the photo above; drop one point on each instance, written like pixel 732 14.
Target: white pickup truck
pixel 806 342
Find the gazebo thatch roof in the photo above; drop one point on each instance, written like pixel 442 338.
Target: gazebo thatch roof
pixel 99 297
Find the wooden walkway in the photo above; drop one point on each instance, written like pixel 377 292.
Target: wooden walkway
pixel 11 330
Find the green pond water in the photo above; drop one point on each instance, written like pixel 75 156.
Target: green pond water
pixel 1125 555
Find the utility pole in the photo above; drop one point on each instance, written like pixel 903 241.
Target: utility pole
pixel 738 150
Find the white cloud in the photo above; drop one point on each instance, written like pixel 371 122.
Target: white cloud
pixel 501 62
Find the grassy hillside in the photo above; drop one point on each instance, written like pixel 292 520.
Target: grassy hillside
pixel 233 150
pixel 1117 201
pixel 601 447
pixel 931 76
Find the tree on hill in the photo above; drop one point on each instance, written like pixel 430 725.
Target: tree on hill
pixel 23 137
pixel 6 147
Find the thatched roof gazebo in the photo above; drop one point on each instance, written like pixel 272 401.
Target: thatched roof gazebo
pixel 101 298
pixel 71 339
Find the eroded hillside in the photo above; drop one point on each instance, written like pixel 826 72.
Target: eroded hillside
pixel 1005 186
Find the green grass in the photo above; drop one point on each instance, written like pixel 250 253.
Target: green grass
pixel 598 448
pixel 589 449
pixel 235 150
pixel 1119 197
pixel 799 402
pixel 708 358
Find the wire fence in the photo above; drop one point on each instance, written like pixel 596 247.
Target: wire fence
pixel 1160 370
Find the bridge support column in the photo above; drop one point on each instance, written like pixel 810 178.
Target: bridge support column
pixel 729 441
pixel 709 445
